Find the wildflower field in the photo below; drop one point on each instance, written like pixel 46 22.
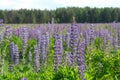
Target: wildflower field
pixel 60 51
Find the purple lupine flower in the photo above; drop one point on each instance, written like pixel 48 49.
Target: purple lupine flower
pixel 67 59
pixel 24 37
pixel 101 33
pixel 1 37
pixel 17 32
pixel 67 39
pixel 74 37
pixel 50 28
pixel 80 59
pixel 57 51
pixel 114 25
pixel 24 42
pixel 114 41
pixel 30 57
pixel 8 32
pixel 47 38
pixel 86 37
pixel 43 50
pixel 38 38
pixel 31 33
pixel 12 52
pixel 118 38
pixel 23 79
pixel 106 38
pixel 91 34
pixel 1 22
pixel 36 58
pixel 16 55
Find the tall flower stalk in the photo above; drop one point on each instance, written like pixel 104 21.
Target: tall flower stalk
pixel 24 42
pixel 36 58
pixel 43 50
pixel 16 55
pixel 57 51
pixel 74 37
pixel 12 53
pixel 119 38
pixel 80 60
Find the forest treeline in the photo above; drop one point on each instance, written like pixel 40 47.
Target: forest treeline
pixel 61 15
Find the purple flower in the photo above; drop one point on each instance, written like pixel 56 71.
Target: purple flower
pixel 74 38
pixel 119 38
pixel 91 34
pixel 23 79
pixel 8 32
pixel 24 41
pixel 16 55
pixel 17 32
pixel 67 39
pixel 12 53
pixel 57 51
pixel 43 50
pixel 1 22
pixel 67 59
pixel 114 25
pixel 36 58
pixel 86 37
pixel 1 37
pixel 24 37
pixel 80 59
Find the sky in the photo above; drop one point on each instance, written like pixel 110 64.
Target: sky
pixel 53 4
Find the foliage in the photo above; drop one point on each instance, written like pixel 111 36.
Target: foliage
pixel 61 15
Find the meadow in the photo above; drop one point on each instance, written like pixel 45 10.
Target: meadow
pixel 71 51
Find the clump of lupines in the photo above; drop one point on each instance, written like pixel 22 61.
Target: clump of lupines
pixel 1 37
pixel 2 62
pixel 106 38
pixel 80 60
pixel 114 41
pixel 74 37
pixel 43 50
pixel 8 32
pixel 57 51
pixel 86 37
pixel 91 34
pixel 118 38
pixel 1 22
pixel 67 39
pixel 24 37
pixel 47 38
pixel 24 41
pixel 36 58
pixel 17 32
pixel 12 53
pixel 16 55
pixel 38 37
pixel 23 79
pixel 67 59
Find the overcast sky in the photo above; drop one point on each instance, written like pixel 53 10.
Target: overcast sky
pixel 53 4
